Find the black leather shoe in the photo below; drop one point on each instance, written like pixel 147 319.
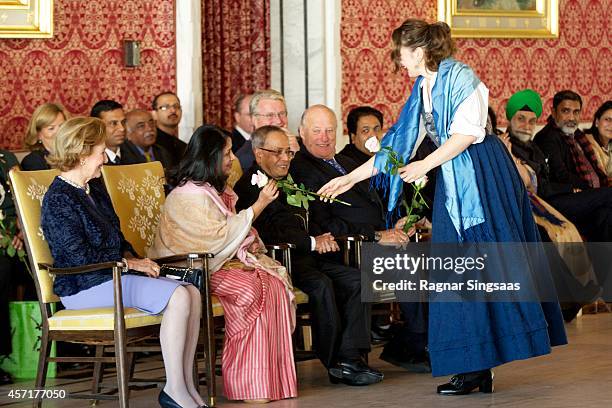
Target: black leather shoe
pixel 415 363
pixel 463 384
pixel 354 372
pixel 5 378
pixel 165 401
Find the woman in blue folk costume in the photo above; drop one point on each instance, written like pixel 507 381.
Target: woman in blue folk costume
pixel 477 186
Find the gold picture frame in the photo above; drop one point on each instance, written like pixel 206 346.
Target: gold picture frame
pixel 26 18
pixel 501 18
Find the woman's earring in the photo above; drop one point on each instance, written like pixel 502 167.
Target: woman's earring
pixel 82 162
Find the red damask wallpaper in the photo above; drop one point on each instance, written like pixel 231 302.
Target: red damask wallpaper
pixel 235 54
pixel 580 59
pixel 83 62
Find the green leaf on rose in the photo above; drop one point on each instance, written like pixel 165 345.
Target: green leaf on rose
pixel 291 200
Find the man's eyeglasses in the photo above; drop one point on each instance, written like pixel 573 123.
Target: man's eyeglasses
pixel 278 152
pixel 175 106
pixel 272 115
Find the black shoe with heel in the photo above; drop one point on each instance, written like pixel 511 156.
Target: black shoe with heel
pixel 166 401
pixel 462 384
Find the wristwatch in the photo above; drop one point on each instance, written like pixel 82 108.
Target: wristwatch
pixel 377 236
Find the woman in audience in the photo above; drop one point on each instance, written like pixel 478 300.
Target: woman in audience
pixel 81 228
pixel 600 137
pixel 41 132
pixel 199 216
pixel 479 198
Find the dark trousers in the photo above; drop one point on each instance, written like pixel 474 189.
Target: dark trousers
pixel 341 322
pixel 411 337
pixel 589 210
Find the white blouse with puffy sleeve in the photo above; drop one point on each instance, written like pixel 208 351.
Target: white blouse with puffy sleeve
pixel 470 118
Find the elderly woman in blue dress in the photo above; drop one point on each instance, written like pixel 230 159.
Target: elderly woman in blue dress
pixel 477 186
pixel 82 228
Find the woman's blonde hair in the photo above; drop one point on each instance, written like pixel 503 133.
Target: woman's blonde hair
pixel 42 117
pixel 435 39
pixel 75 140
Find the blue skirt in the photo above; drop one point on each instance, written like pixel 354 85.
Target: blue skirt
pixel 149 295
pixel 472 336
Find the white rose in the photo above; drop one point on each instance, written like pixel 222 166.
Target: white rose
pixel 420 183
pixel 372 145
pixel 260 179
pixel 2 215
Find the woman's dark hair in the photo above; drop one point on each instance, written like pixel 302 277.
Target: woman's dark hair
pixel 493 119
pixel 435 39
pixel 203 159
pixel 598 114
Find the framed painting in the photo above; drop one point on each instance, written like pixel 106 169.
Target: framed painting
pixel 26 18
pixel 501 18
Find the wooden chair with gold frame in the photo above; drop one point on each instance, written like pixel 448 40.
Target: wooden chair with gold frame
pixel 116 326
pixel 138 197
pixel 137 194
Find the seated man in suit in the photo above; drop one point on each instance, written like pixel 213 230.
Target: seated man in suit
pixel 140 146
pixel 317 163
pixel 362 123
pixel 341 321
pixel 167 112
pixel 113 116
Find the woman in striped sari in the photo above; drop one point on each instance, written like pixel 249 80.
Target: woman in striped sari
pixel 254 290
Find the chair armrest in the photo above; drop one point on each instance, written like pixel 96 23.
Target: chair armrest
pixel 279 247
pixel 285 248
pixel 182 257
pixel 351 238
pixel 348 242
pixel 80 269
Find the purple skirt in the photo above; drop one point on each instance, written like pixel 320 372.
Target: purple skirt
pixel 149 295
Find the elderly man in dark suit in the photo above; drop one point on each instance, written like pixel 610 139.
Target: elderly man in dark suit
pixel 341 321
pixel 141 146
pixel 317 163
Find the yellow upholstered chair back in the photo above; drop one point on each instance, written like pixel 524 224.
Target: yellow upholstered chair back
pixel 137 193
pixel 235 173
pixel 29 188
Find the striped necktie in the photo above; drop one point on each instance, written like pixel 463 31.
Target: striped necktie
pixel 332 162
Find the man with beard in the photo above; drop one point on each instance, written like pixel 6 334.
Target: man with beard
pixel 590 209
pixel 167 112
pixel 570 156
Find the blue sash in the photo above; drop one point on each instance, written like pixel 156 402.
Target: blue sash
pixel 455 82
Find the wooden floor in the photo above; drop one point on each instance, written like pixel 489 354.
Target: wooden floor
pixel 577 375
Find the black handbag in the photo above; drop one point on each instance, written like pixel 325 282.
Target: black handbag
pixel 183 273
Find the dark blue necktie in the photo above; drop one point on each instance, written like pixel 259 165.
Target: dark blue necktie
pixel 335 165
